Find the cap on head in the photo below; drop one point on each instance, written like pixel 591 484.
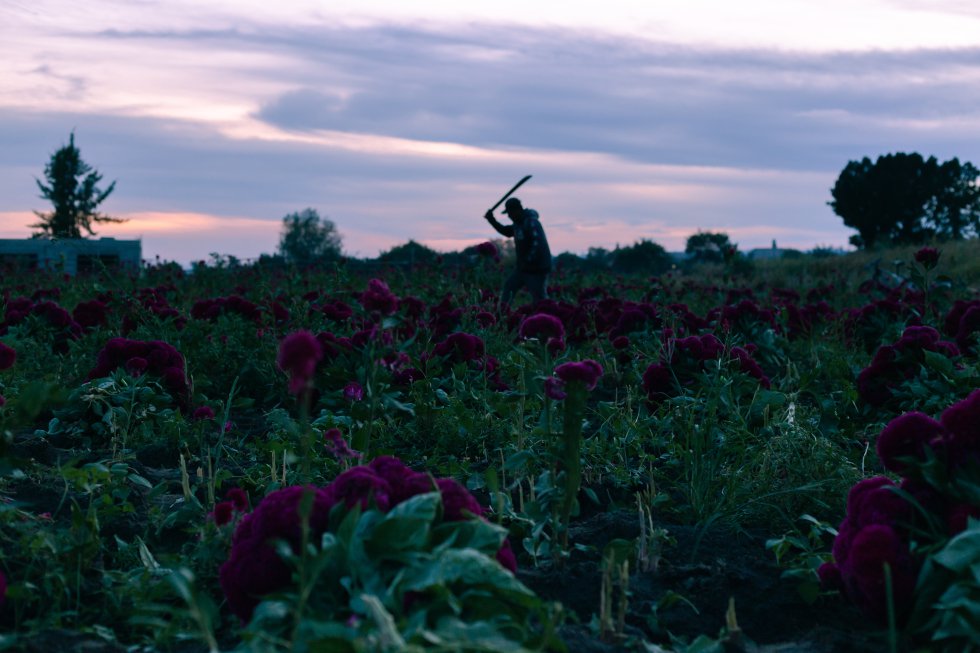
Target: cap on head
pixel 513 204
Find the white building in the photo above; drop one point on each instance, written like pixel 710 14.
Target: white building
pixel 70 255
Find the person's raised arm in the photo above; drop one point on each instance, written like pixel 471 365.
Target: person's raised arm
pixel 502 229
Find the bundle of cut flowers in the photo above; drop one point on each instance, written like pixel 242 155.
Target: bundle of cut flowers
pixel 381 552
pixel 908 551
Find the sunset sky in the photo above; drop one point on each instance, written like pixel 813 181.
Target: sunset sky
pixel 407 120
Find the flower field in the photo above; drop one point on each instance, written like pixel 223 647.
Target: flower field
pixel 251 458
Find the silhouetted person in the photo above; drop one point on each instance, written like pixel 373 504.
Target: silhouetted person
pixel 531 246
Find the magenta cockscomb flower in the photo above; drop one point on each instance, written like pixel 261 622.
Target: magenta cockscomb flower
pixel 353 392
pixel 299 352
pixel 254 568
pixel 460 347
pixel 338 447
pixel 863 575
pixel 907 436
pixel 554 388
pixel 658 382
pixel 457 502
pixel 91 314
pixel 153 357
pixel 928 257
pixel 360 486
pixel 485 319
pixel 378 297
pixel 541 326
pixel 587 372
pixel 8 356
pixel 202 413
pixel 488 250
pixel 962 421
pixel 224 512
pixel 238 498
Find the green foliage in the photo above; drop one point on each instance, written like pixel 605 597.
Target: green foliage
pixel 410 253
pixel 73 190
pixel 906 199
pixel 402 580
pixel 306 238
pixel 642 257
pixel 707 247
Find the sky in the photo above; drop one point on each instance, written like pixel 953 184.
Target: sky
pixel 408 120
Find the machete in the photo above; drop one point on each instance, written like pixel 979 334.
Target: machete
pixel 509 193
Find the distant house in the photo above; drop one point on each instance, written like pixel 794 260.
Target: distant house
pixel 70 255
pixel 767 253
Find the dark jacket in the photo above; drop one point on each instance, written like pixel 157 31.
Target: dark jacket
pixel 530 243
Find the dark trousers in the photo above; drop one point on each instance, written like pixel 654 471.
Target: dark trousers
pixel 533 281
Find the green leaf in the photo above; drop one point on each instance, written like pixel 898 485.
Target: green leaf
pixel 962 551
pixel 938 362
pixel 406 526
pixel 467 566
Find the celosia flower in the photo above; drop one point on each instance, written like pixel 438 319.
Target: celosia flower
pixel 485 319
pixel 906 436
pixel 91 314
pixel 202 413
pixel 337 445
pixel 460 348
pixel 830 577
pixel 864 574
pixel 958 516
pixel 136 366
pixel 299 352
pixel 658 382
pixel 488 250
pixel 254 568
pixel 506 558
pixel 378 297
pixel 859 490
pixel 587 372
pixel 238 498
pixel 8 356
pixel 353 392
pixel 541 326
pixel 553 388
pixel 360 485
pixel 928 257
pixel 962 421
pixel 223 513
pixel 457 502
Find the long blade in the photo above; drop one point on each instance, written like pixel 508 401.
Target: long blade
pixel 509 193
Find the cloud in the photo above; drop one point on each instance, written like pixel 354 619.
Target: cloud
pixel 400 132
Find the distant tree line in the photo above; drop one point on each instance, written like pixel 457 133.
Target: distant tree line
pixel 905 199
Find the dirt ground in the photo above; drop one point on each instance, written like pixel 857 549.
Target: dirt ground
pixel 771 614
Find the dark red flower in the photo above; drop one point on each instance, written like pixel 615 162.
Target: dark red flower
pixel 360 485
pixel 223 513
pixel 554 388
pixel 541 326
pixel 203 412
pixel 457 502
pixel 238 498
pixel 587 371
pixel 8 356
pixel 299 352
pixel 928 257
pixel 254 568
pixel 906 436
